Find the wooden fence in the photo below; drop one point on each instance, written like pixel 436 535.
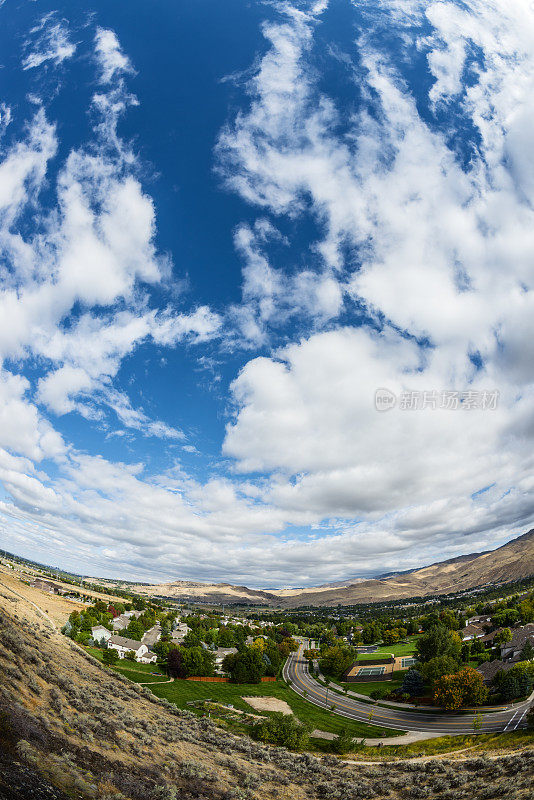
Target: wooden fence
pixel 220 679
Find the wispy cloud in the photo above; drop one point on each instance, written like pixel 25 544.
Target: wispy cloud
pixel 49 42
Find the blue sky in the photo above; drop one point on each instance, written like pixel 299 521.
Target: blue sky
pixel 222 228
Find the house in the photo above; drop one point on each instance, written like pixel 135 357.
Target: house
pixel 152 636
pixel 180 632
pixel 99 633
pixel 471 632
pixel 480 620
pixel 489 637
pixel 520 636
pixel 489 669
pixel 220 655
pixel 123 646
pixel 120 622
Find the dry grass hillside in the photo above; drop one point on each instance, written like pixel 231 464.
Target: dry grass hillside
pixel 70 728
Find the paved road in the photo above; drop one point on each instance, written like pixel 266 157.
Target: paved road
pixel 296 671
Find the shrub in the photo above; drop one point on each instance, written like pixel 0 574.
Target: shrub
pixel 343 743
pixel 282 729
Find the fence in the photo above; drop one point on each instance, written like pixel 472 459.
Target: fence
pixel 220 679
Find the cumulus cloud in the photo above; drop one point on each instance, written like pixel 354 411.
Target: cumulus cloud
pixel 418 277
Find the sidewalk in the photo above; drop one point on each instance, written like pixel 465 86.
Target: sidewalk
pixel 407 738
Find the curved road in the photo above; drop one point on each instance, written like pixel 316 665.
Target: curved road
pixel 296 671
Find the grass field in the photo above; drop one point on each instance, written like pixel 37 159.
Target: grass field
pixel 180 692
pixel 370 686
pixel 138 673
pixel 395 649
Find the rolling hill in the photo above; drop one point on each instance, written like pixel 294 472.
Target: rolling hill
pixel 512 561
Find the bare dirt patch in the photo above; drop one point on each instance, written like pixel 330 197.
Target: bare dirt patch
pixel 268 704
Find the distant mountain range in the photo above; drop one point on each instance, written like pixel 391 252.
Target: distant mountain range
pixel 510 562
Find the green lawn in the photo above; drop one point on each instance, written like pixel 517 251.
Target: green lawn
pixel 386 650
pixel 366 687
pixel 179 692
pixel 138 673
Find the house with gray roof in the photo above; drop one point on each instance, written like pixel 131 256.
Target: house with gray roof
pixel 123 646
pixel 520 636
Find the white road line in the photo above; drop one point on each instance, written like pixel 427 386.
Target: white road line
pixel 519 721
pixel 511 720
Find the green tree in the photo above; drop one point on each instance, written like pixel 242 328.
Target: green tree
pixel 434 669
pixel 134 630
pixel 283 730
pixel 343 743
pixel 336 660
pixel 514 683
pixel 438 641
pixel 246 666
pixel 110 657
pixel 413 683
pixel 527 653
pixel 503 637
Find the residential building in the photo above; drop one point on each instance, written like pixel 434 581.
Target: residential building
pixel 220 655
pixel 480 620
pixel 520 636
pixel 124 646
pixel 99 633
pixel 471 632
pixel 489 669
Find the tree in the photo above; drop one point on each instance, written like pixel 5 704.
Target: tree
pixel 514 683
pixel 448 618
pixel 198 661
pixel 282 729
pixel 434 669
pixel 247 666
pixel 110 657
pixel 311 654
pixel 175 664
pixel 438 641
pixel 527 653
pixel 503 636
pixel 336 660
pixel 413 683
pixel 463 688
pixel 134 630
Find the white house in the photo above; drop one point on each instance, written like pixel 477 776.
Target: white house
pixel 220 655
pixel 99 633
pixel 123 646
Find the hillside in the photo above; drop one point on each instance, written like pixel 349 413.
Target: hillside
pixel 510 562
pixel 69 724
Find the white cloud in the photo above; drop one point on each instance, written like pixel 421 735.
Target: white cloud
pixel 52 43
pixel 440 249
pixel 112 61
